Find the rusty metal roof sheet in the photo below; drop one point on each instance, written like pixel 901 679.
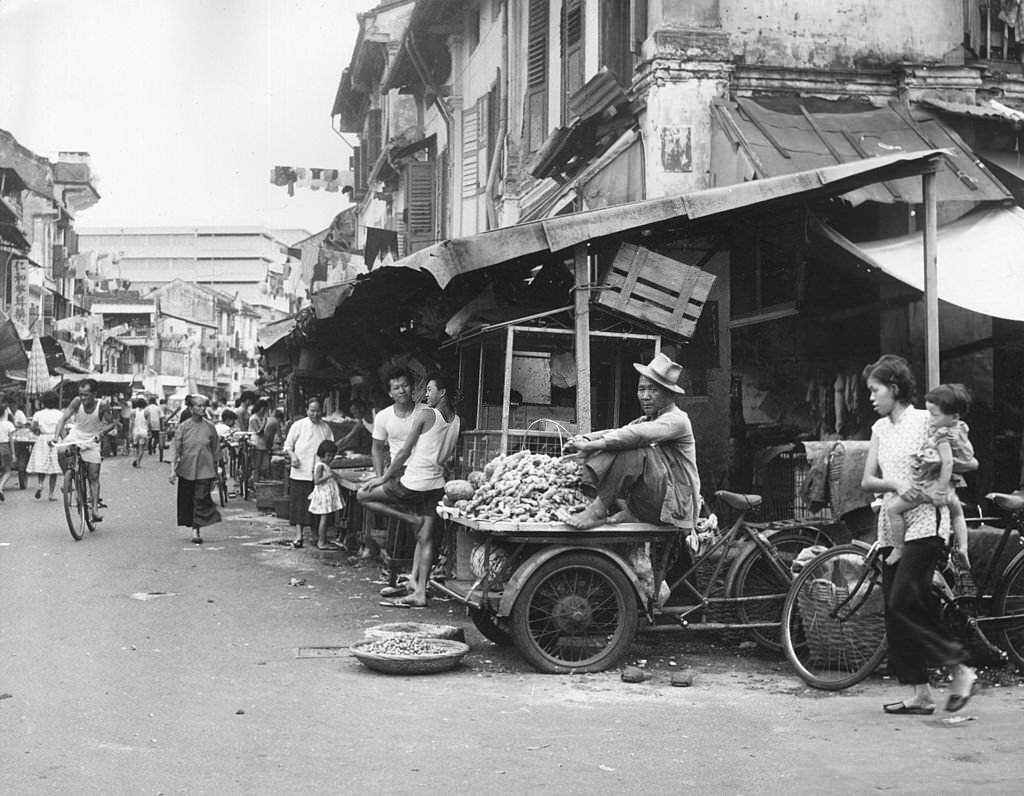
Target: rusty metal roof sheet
pixel 789 137
pixel 448 259
pixel 990 110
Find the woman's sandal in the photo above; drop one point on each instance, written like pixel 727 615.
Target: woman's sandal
pixel 958 701
pixel 901 708
pixel 296 544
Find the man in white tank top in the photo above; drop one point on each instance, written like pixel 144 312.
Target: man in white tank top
pixel 90 419
pixel 413 482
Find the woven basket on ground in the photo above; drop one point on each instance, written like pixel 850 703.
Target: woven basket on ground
pixel 419 629
pixel 848 638
pixel 412 664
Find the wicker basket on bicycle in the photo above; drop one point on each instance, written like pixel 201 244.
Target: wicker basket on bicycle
pixel 834 621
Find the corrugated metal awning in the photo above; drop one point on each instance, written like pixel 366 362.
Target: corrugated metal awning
pixel 979 260
pixel 448 259
pixel 785 135
pixel 989 110
pixel 274 331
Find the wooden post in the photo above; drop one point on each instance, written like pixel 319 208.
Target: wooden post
pixel 931 279
pixel 506 392
pixel 581 311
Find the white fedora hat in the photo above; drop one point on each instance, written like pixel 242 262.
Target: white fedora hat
pixel 663 371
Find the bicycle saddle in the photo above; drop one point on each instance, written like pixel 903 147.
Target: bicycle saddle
pixel 734 500
pixel 1013 502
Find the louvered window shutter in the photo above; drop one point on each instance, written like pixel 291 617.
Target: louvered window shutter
pixel 419 197
pixel 483 140
pixel 535 109
pixel 373 143
pixel 572 50
pixel 470 153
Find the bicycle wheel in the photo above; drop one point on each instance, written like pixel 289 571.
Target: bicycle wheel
pixel 222 489
pixel 577 613
pixel 1009 605
pixel 75 509
pixel 833 638
pixel 756 574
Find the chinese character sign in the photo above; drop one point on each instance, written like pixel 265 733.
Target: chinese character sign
pixel 19 294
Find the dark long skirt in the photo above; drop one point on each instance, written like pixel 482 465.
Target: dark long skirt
pixel 195 503
pixel 298 502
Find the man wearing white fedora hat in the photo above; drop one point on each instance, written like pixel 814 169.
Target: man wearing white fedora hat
pixel 645 471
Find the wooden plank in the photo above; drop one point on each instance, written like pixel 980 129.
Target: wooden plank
pixel 630 260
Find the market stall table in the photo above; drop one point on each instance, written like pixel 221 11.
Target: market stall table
pixel 394 536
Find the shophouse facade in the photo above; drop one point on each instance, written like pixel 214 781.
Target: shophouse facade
pixel 39 199
pixel 473 116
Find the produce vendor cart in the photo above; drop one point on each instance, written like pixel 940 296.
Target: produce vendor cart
pixel 571 601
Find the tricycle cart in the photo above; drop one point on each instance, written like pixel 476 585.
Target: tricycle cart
pixel 571 601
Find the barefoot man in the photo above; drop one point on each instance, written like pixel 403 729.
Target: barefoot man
pixel 645 471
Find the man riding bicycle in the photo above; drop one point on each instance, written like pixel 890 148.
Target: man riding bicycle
pixel 90 419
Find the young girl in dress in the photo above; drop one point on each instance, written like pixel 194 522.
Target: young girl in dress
pixel 325 500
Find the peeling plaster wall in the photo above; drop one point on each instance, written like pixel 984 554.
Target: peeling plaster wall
pixel 840 33
pixel 676 131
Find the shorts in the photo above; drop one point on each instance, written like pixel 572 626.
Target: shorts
pixel 412 499
pixel 137 438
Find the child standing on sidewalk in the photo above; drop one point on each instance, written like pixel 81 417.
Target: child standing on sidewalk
pixel 325 500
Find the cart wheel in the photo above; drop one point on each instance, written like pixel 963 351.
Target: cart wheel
pixel 490 627
pixel 577 613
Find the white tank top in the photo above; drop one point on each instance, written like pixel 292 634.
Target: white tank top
pixel 422 470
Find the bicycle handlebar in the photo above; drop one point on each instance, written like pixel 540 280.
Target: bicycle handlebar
pixel 1007 502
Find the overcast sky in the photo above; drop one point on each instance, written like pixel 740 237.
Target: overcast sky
pixel 184 104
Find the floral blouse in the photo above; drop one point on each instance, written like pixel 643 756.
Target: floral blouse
pixel 899 443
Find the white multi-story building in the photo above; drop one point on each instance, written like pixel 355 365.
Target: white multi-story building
pixel 249 263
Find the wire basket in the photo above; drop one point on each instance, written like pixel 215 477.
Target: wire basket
pixel 840 641
pixel 411 664
pixel 563 437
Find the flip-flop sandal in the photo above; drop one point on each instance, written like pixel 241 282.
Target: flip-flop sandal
pixel 297 545
pixel 958 701
pixel 197 540
pixel 401 604
pixel 393 591
pixel 901 708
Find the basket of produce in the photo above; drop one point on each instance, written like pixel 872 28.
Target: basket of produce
pixel 417 629
pixel 409 654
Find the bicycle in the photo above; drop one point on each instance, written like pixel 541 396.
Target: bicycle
pixel 222 474
pixel 244 463
pixel 833 620
pixel 77 490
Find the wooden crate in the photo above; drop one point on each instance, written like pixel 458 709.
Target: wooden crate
pixel 657 289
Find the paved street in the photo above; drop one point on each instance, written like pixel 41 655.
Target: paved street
pixel 196 689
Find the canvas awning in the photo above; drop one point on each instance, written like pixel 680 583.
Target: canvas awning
pixel 448 259
pixel 980 264
pixel 12 350
pixel 273 332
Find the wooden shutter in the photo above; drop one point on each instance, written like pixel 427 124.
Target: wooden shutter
pixel 483 140
pixel 535 108
pixel 470 153
pixel 373 142
pixel 359 170
pixel 419 203
pixel 573 65
pixel 615 40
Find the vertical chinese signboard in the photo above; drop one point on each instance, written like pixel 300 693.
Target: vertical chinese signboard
pixel 19 294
